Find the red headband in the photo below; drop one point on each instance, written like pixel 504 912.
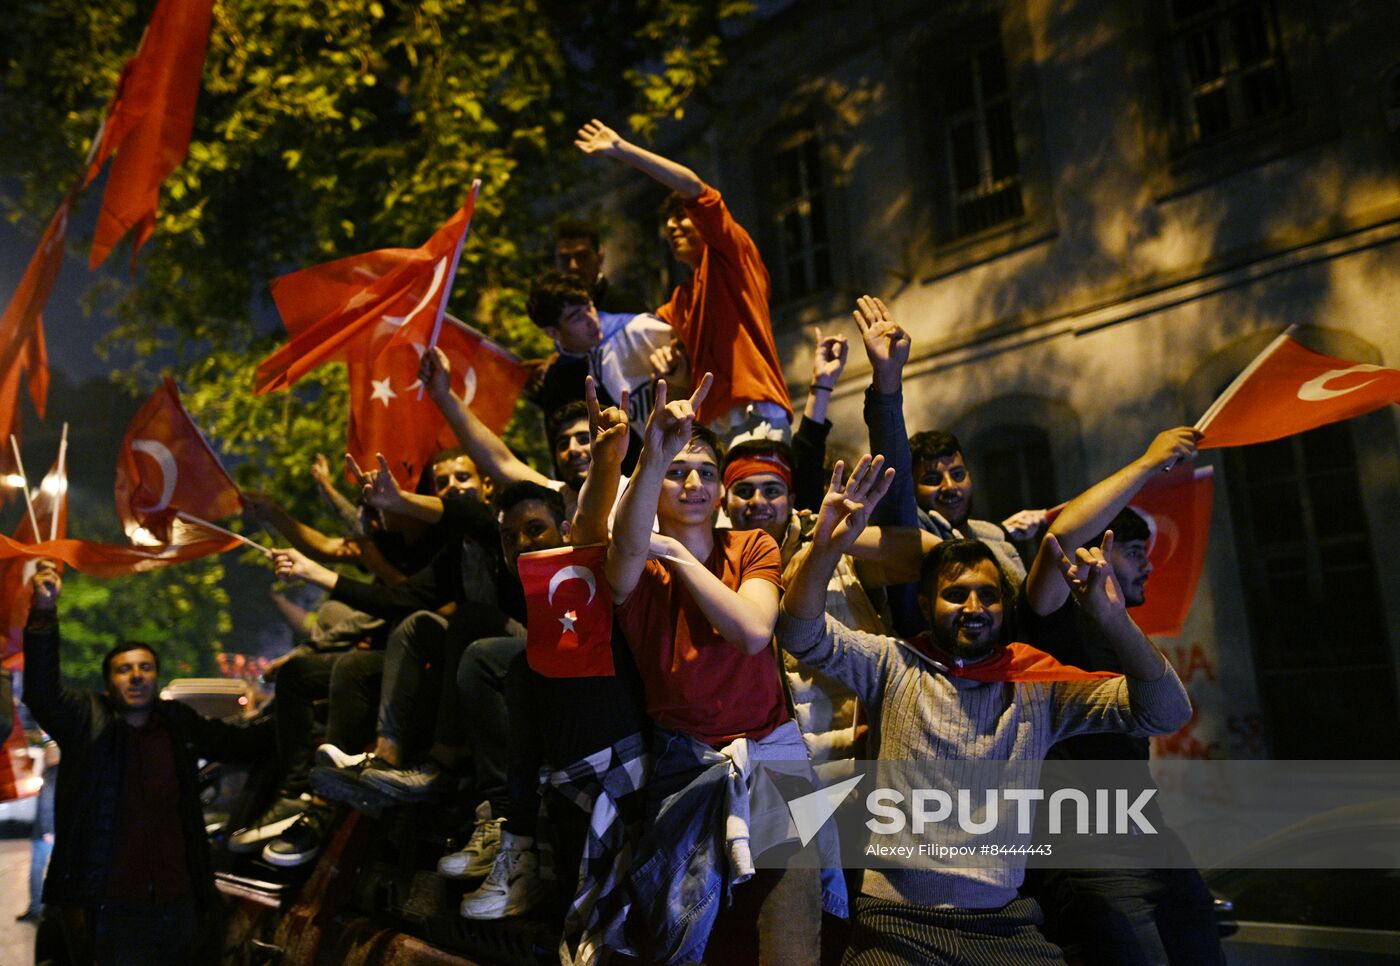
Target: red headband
pixel 749 465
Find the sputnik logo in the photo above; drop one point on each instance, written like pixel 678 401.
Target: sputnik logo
pixel 810 812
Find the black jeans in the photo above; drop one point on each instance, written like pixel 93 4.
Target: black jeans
pixel 351 680
pixel 133 933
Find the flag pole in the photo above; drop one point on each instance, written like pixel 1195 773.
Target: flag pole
pixel 451 277
pixel 1209 415
pixel 199 521
pixel 28 499
pixel 63 475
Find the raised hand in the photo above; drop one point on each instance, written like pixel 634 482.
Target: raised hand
pixel 886 344
pixel 608 428
pixel 846 508
pixel 434 372
pixel 45 586
pixel 382 490
pixel 828 360
pixel 595 137
pixel 321 470
pixel 666 359
pixel 1090 578
pixel 1171 446
pixel 668 427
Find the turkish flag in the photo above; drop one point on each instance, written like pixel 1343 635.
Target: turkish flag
pixel 165 467
pixel 569 612
pixel 188 542
pixel 149 122
pixel 51 510
pixel 1289 389
pixel 328 308
pixel 22 327
pixel 1177 507
pixel 386 414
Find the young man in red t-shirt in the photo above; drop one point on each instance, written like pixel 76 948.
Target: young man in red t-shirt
pixel 697 607
pixel 721 312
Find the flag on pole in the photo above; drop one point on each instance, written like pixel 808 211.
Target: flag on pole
pixel 1289 389
pixel 569 610
pixel 149 122
pixel 50 502
pixel 328 308
pixel 1177 508
pixel 165 467
pixel 387 414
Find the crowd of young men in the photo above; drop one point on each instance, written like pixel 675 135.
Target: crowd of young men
pixel 766 607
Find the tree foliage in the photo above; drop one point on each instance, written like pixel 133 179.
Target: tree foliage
pixel 326 128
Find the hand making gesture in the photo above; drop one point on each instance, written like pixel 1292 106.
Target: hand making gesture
pixel 828 360
pixel 595 137
pixel 1090 578
pixel 886 344
pixel 846 508
pixel 608 428
pixel 668 427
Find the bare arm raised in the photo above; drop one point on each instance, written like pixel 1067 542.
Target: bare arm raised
pixel 596 138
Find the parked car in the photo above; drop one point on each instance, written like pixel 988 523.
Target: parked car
pixel 1280 914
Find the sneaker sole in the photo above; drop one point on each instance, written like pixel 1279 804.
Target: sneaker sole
pixel 391 788
pixel 516 908
pixel 362 797
pixel 283 861
pixel 249 842
pixel 476 871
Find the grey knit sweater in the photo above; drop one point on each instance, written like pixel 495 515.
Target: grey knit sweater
pixel 925 715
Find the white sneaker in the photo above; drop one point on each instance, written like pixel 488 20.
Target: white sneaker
pixel 329 756
pixel 477 855
pixel 512 886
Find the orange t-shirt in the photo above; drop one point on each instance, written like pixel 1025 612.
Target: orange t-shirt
pixel 721 315
pixel 696 682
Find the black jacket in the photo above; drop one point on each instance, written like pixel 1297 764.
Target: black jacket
pixel 90 734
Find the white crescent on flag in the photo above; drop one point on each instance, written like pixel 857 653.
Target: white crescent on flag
pixel 469 390
pixel 573 573
pixel 1315 390
pixel 439 271
pixel 169 472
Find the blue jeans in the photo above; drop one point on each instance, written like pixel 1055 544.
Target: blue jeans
pixel 39 852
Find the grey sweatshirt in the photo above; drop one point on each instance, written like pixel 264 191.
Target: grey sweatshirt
pixel 925 715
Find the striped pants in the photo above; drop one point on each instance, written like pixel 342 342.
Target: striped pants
pixel 894 933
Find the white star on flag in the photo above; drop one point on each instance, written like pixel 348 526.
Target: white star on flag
pixel 382 392
pixel 568 620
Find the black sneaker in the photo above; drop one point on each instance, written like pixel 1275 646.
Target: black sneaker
pixel 348 787
pixel 277 819
pixel 302 842
pixel 414 784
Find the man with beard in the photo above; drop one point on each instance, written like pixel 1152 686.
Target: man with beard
pixel 962 692
pixel 1129 914
pixel 130 875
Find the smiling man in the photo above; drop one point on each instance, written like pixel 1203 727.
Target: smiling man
pixel 130 872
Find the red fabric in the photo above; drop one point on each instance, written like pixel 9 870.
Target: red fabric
pixel 1015 662
pixel 149 122
pixel 386 415
pixel 1295 389
pixel 1177 507
pixel 753 465
pixel 50 499
pixel 328 308
pixel 570 613
pixel 696 682
pixel 13 755
pixel 22 346
pixel 113 560
pixel 165 465
pixel 148 860
pixel 721 315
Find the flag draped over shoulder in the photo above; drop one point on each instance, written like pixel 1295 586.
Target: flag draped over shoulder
pixel 149 122
pixel 387 414
pixel 165 467
pixel 328 308
pixel 1177 508
pixel 570 611
pixel 1289 389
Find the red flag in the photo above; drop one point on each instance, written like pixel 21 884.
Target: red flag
pixel 164 467
pixel 569 612
pixel 327 308
pixel 51 510
pixel 149 122
pixel 1290 389
pixel 1177 508
pixel 188 542
pixel 386 414
pixel 22 327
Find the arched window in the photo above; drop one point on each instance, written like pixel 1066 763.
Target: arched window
pixel 1013 468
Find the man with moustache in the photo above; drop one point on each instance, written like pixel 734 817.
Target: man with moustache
pixel 130 873
pixel 978 697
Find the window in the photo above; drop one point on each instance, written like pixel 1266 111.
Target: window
pixel 980 136
pixel 1313 597
pixel 800 202
pixel 1226 66
pixel 1014 470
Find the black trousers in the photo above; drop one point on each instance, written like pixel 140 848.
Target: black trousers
pixel 351 680
pixel 895 933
